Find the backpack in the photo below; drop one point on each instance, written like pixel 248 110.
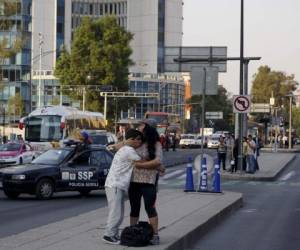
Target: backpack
pixel 138 235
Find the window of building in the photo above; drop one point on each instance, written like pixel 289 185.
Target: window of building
pixel 12 75
pixel 105 8
pixel 101 9
pixel 91 9
pixel 60 28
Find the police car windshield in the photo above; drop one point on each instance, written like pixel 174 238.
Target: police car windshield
pixel 52 157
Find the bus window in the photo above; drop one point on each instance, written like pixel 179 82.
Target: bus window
pixel 43 128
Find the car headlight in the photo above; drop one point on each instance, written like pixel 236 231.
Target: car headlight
pixel 18 177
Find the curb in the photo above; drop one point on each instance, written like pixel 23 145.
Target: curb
pixel 248 177
pixel 199 231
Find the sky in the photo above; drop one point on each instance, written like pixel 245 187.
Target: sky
pixel 271 31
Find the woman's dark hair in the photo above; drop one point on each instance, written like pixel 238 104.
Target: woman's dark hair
pixel 150 137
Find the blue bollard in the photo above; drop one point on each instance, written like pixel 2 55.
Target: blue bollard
pixel 189 183
pixel 203 177
pixel 217 177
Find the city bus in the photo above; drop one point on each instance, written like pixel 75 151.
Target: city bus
pixel 166 122
pixel 50 124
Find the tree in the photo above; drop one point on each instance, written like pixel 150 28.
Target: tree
pixel 213 103
pixel 296 120
pixel 267 82
pixel 15 106
pixel 100 55
pixel 55 101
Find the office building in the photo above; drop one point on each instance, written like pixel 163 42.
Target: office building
pixel 154 23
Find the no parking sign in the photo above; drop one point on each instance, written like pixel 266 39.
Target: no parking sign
pixel 241 104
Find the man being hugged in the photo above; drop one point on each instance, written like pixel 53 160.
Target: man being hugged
pixel 117 183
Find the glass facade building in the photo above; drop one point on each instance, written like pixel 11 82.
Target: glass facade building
pixel 171 90
pixel 46 25
pixel 15 71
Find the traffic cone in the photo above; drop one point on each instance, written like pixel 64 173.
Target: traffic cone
pixel 203 177
pixel 189 183
pixel 217 177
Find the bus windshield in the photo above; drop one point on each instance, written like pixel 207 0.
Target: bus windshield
pixel 160 119
pixel 43 128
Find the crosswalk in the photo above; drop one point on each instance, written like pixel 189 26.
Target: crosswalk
pixel 176 178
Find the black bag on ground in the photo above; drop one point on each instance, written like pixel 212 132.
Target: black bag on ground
pixel 138 235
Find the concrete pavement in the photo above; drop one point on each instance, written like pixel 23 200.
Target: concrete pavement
pixel 184 218
pixel 270 167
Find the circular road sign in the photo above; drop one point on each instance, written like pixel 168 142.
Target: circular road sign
pixel 241 104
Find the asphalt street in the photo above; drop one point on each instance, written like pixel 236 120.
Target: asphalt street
pixel 269 219
pixel 27 212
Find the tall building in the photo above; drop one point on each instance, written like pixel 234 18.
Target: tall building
pixel 15 71
pixel 154 23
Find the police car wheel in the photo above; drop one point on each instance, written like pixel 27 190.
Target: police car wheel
pixel 11 194
pixel 44 189
pixel 84 192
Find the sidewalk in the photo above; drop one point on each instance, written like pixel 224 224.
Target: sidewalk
pixel 184 217
pixel 270 167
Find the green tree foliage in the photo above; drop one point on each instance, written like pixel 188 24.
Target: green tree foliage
pixel 296 120
pixel 15 105
pixel 55 101
pixel 99 55
pixel 267 82
pixel 214 103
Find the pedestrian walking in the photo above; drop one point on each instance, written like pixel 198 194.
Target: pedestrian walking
pixel 250 155
pixel 174 140
pixel 222 151
pixel 117 184
pixel 235 153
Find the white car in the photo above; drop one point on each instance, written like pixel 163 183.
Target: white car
pixel 213 141
pixel 189 141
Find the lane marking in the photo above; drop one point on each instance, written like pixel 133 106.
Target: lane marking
pixel 183 176
pixel 172 174
pixel 287 176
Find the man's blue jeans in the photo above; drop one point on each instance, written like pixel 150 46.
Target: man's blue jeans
pixel 251 163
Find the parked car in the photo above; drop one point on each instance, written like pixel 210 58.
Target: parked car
pixel 199 141
pixel 102 138
pixel 62 169
pixel 14 153
pixel 189 141
pixel 213 141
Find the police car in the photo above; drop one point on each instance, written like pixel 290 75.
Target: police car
pixel 62 169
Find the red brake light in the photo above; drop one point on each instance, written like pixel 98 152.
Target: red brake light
pixel 62 125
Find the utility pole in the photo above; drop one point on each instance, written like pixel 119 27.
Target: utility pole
pixel 241 115
pixel 40 69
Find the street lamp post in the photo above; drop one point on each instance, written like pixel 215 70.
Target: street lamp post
pixel 290 123
pixel 40 68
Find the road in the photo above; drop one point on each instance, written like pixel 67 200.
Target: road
pixel 26 212
pixel 269 219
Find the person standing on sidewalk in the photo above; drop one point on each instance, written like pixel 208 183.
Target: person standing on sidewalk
pixel 144 181
pixel 117 183
pixel 250 155
pixel 222 151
